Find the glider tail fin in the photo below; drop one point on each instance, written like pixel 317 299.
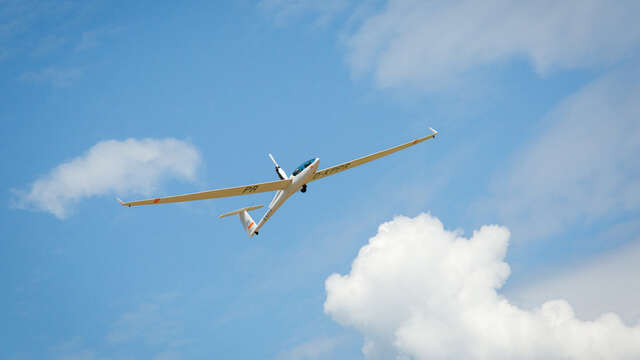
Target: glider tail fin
pixel 247 222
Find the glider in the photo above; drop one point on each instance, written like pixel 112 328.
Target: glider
pixel 284 188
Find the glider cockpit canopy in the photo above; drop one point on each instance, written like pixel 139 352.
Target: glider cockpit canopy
pixel 304 165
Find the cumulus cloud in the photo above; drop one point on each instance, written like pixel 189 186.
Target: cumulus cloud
pixel 420 291
pixel 583 166
pixel 110 167
pixel 426 43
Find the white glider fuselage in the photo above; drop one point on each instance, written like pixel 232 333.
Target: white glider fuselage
pixel 297 181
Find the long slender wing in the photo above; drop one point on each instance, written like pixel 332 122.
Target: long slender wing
pixel 365 159
pixel 211 194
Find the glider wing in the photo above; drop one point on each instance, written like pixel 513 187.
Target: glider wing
pixel 365 159
pixel 211 194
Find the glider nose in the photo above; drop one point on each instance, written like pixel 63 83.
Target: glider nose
pixel 316 163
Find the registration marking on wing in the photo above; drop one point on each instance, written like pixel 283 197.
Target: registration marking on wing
pixel 330 171
pixel 250 189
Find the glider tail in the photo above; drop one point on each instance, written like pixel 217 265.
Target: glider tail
pixel 247 222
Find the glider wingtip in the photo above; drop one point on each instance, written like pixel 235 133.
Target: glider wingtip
pixel 122 202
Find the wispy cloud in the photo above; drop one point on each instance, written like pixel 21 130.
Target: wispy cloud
pixel 18 17
pixel 607 281
pixel 157 323
pixel 91 39
pixel 48 44
pixel 420 291
pixel 323 10
pixel 41 29
pixel 110 167
pixel 317 348
pixel 152 322
pixel 54 76
pixel 74 350
pixel 428 44
pixel 580 168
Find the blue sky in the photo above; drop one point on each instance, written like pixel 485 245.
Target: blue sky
pixel 538 125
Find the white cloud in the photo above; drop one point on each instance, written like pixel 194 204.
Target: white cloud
pixel 110 167
pixel 428 43
pixel 583 166
pixel 420 291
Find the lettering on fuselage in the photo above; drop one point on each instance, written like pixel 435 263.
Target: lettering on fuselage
pixel 331 171
pixel 250 189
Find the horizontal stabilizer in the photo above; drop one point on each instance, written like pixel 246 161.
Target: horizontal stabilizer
pixel 241 210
